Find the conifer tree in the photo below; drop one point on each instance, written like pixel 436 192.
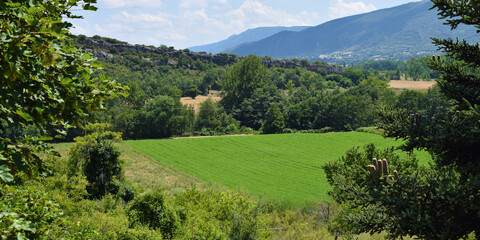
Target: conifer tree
pixel 436 202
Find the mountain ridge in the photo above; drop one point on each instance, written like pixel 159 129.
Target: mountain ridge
pixel 249 35
pixel 396 33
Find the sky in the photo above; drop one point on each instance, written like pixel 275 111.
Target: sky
pixel 187 23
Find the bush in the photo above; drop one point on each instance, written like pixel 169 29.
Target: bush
pixel 95 156
pixel 220 215
pixel 373 130
pixel 29 214
pixel 151 210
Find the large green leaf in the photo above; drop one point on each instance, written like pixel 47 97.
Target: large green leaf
pixel 5 175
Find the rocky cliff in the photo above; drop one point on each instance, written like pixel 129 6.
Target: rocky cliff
pixel 107 48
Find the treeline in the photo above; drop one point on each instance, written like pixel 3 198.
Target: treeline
pixel 307 101
pixel 414 68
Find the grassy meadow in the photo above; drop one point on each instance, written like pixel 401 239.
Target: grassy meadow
pixel 284 167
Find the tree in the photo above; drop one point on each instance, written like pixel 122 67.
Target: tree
pixel 252 110
pixel 241 81
pixel 44 80
pixel 207 115
pixel 355 75
pixel 274 121
pixel 94 156
pixel 192 91
pixel 162 117
pixel 439 201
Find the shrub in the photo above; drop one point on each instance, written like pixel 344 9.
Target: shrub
pixel 95 156
pixel 220 215
pixel 151 210
pixel 28 214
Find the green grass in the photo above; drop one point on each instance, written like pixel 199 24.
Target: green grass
pixel 285 167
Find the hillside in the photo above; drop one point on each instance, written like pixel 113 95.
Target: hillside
pixel 250 35
pixel 107 48
pixel 395 33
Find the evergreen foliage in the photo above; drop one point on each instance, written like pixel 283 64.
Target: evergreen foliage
pixel 441 201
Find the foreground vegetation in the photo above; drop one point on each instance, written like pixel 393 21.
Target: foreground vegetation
pixel 196 209
pixel 285 168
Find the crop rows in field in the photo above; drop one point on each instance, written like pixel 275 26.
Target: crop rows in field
pixel 283 167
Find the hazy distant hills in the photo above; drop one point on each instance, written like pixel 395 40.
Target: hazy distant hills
pixel 393 33
pixel 250 35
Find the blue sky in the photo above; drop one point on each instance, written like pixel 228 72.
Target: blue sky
pixel 187 23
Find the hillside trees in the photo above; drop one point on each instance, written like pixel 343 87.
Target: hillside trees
pixel 163 117
pixel 439 201
pixel 241 81
pixel 274 121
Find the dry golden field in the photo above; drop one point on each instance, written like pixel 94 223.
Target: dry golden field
pixel 401 85
pixel 195 103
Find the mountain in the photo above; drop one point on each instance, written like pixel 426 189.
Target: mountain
pixel 250 35
pixel 395 33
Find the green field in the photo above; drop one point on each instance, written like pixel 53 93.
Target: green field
pixel 282 167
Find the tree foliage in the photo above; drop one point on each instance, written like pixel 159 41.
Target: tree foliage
pixel 44 80
pixel 274 121
pixel 94 156
pixel 242 79
pixel 152 210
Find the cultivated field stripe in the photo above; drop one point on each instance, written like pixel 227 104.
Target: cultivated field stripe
pixel 284 167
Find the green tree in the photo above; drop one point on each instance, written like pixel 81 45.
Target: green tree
pixel 207 115
pixel 151 210
pixel 45 79
pixel 252 110
pixel 192 91
pixel 163 117
pixel 94 156
pixel 274 121
pixel 439 201
pixel 241 81
pixel 355 75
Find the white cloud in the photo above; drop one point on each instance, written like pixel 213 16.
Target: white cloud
pixel 187 23
pixel 77 30
pixel 146 28
pixel 339 8
pixel 130 3
pixel 253 13
pixel 142 18
pixel 199 3
pixel 193 3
